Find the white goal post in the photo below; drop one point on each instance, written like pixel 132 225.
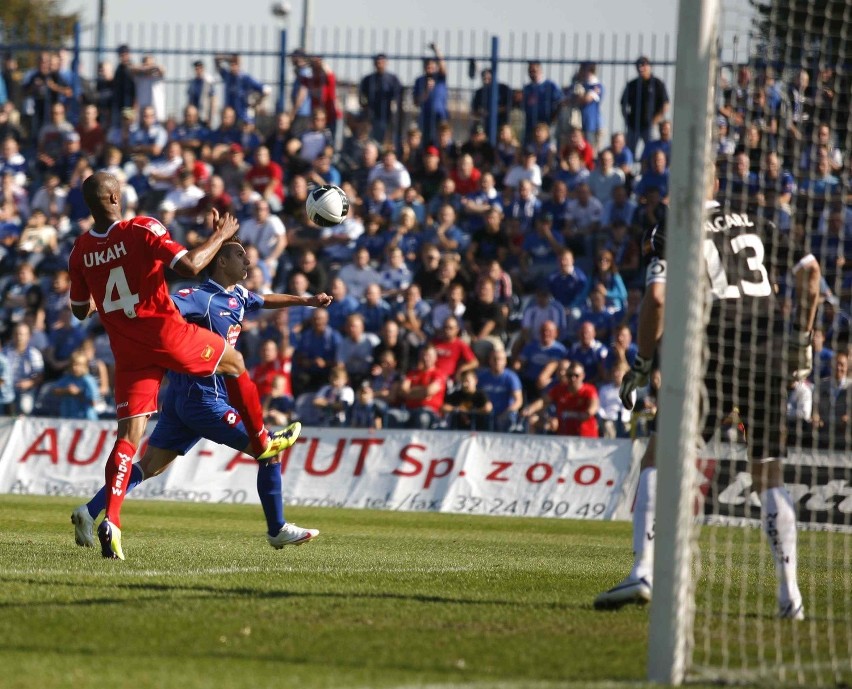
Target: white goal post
pixel 673 606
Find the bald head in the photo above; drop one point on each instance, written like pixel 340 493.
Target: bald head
pixel 100 191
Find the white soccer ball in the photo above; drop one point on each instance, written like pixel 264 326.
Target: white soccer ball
pixel 327 205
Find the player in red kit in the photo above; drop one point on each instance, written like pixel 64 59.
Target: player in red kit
pixel 118 270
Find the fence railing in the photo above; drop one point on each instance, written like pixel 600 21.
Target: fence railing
pixel 349 52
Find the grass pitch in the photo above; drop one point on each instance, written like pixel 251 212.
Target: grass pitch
pixel 380 599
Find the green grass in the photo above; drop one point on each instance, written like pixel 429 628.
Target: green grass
pixel 381 599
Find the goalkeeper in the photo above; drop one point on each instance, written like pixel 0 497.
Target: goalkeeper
pixel 745 370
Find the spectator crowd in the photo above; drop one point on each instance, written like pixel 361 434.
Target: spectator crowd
pixel 476 286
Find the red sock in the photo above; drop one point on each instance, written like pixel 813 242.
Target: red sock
pixel 242 393
pixel 117 477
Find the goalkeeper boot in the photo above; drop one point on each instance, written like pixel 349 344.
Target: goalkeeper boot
pixel 110 537
pixel 630 591
pixel 291 534
pixel 280 441
pixel 84 527
pixel 791 611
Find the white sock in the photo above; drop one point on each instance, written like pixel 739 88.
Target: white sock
pixel 643 526
pixel 779 523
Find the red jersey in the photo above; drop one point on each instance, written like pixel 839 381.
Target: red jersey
pixel 450 354
pixel 568 402
pixel 123 271
pixel 421 377
pixel 261 175
pixel 264 375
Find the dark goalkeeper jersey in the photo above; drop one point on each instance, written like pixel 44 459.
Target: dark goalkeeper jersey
pixel 746 259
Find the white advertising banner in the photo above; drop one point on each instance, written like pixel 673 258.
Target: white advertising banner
pixel 470 473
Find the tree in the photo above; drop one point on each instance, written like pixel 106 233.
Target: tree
pixel 34 25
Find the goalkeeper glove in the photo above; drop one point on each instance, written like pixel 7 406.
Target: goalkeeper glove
pixel 801 354
pixel 636 377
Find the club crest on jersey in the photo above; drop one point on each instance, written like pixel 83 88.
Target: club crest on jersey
pixel 185 292
pixel 153 225
pixel 207 353
pixel 232 302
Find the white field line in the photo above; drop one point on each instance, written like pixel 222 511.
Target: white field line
pixel 124 572
pixel 526 684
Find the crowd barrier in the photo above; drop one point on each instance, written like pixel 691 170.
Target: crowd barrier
pixel 471 473
pixel 434 471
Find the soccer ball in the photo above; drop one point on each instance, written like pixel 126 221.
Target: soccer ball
pixel 327 205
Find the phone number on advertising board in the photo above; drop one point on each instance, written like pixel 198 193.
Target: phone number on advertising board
pixel 473 504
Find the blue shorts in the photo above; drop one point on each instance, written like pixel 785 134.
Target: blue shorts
pixel 187 417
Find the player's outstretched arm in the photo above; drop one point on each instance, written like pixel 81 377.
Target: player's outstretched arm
pixel 282 301
pixel 193 262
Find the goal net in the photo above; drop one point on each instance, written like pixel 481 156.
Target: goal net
pixel 730 573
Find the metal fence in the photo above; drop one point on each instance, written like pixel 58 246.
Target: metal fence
pixel 349 53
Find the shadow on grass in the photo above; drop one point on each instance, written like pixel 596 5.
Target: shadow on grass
pixel 202 591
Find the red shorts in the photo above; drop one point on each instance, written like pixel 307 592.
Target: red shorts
pixel 196 352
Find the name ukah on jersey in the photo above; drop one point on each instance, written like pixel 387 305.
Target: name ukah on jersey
pixel 98 258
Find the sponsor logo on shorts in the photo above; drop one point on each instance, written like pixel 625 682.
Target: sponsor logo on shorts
pixel 207 354
pixel 122 404
pixel 231 418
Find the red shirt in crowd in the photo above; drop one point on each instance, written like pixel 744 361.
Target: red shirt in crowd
pixel 425 378
pixel 569 403
pixel 451 354
pixel 92 140
pixel 469 185
pixel 587 154
pixel 222 203
pixel 323 90
pixel 200 171
pixel 264 375
pixel 260 177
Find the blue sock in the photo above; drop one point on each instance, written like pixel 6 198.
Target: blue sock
pixel 269 492
pixel 98 503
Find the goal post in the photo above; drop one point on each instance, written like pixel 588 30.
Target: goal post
pixel 756 587
pixel 672 608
